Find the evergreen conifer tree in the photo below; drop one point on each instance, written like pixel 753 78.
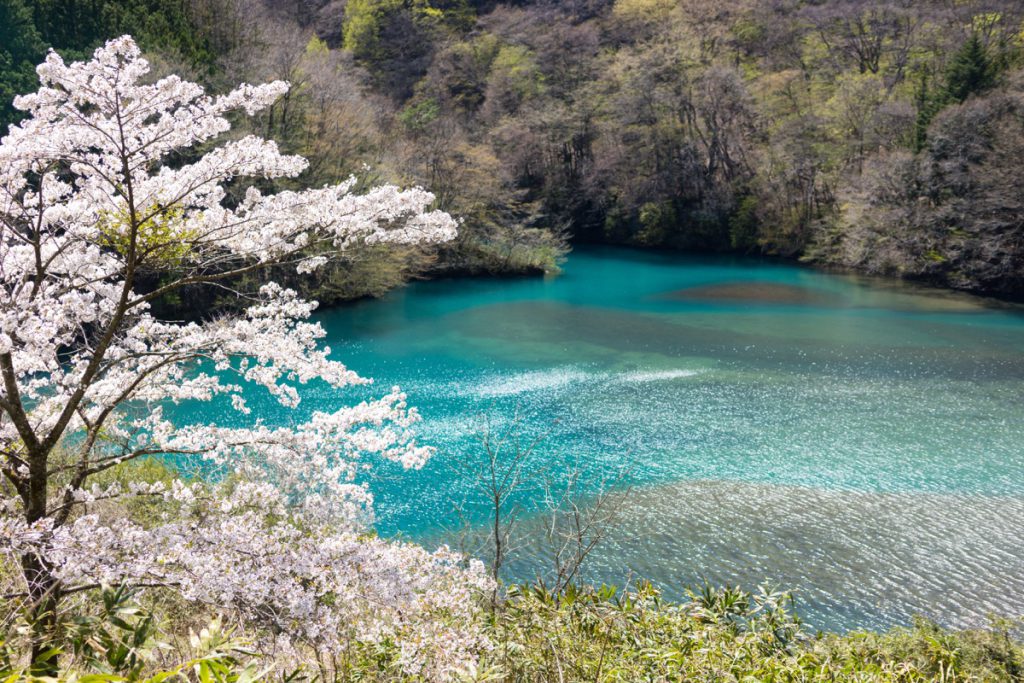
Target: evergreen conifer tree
pixel 971 70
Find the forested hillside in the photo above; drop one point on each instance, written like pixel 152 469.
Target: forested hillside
pixel 883 136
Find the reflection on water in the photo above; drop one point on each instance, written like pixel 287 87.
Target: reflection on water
pixel 861 442
pixel 871 293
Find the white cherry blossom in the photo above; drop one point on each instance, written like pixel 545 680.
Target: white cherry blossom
pixel 101 184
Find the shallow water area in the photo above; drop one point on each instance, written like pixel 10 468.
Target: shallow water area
pixel 858 441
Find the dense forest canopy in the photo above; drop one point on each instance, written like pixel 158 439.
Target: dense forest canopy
pixel 875 135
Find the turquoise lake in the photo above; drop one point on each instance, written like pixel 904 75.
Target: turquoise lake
pixel 858 441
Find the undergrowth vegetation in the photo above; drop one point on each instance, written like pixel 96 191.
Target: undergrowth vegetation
pixel 582 634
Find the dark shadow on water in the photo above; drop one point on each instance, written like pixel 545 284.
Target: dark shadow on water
pixel 759 292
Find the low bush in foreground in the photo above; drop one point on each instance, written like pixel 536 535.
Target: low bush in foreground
pixel 584 634
pixel 726 635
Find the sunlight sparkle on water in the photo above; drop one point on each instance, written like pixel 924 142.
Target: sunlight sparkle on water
pixel 860 442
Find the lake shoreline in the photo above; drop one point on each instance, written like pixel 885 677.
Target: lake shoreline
pixel 990 299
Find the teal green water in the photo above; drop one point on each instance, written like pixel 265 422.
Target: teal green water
pixel 859 441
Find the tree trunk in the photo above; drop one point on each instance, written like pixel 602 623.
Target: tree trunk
pixel 44 594
pixel 43 587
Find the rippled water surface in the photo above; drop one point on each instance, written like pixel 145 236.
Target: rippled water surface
pixel 859 441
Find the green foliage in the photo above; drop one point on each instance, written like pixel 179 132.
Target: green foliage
pixel 748 31
pixel 617 225
pixel 451 15
pixel 643 14
pixel 365 21
pixel 112 638
pixel 316 46
pixel 927 652
pixel 418 115
pixel 516 70
pixel 21 48
pixel 584 633
pixel 513 250
pixel 725 634
pixel 119 638
pixel 657 220
pixel 144 510
pixel 78 26
pixel 743 225
pixel 465 66
pixel 158 236
pixel 970 71
pixel 75 27
pixel 928 103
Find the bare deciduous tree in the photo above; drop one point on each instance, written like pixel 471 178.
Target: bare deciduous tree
pixel 557 531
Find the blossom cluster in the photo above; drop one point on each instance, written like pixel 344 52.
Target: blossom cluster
pixel 302 587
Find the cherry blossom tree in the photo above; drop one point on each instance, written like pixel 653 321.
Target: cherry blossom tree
pixel 111 178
